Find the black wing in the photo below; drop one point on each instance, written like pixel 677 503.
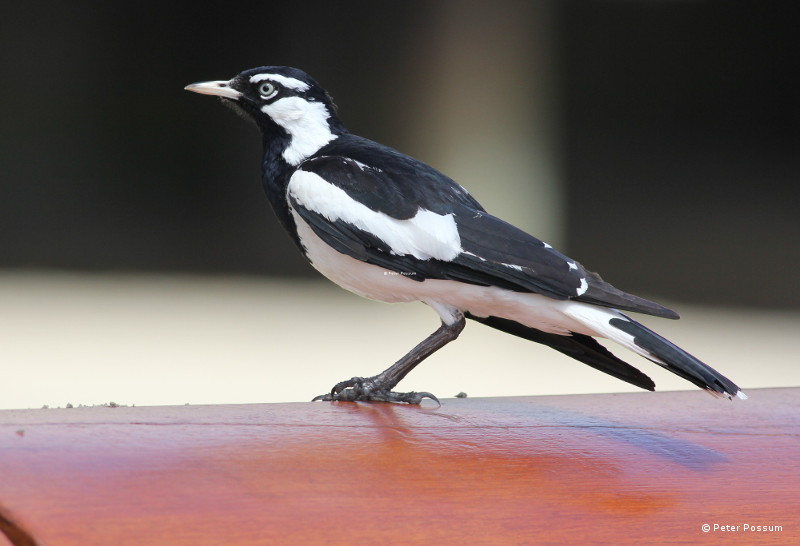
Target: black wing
pixel 490 244
pixel 386 180
pixel 492 252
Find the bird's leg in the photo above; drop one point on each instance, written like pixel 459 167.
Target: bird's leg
pixel 379 388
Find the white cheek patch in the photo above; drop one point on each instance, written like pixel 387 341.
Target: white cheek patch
pixel 307 124
pixel 427 235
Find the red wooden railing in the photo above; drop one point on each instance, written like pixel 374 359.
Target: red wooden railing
pixel 648 467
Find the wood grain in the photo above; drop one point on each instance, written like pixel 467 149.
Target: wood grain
pixel 649 467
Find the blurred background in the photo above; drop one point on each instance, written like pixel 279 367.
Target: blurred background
pixel 654 141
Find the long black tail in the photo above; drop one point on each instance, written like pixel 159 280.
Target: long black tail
pixel 578 346
pixel 647 343
pixel 675 359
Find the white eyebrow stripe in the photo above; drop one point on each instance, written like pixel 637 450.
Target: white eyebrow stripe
pixel 291 83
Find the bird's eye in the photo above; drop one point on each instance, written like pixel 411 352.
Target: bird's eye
pixel 267 90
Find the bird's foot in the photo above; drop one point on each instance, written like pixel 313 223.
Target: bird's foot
pixel 361 389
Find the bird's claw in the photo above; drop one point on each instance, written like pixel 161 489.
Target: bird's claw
pixel 360 389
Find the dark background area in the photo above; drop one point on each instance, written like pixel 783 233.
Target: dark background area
pixel 677 133
pixel 681 149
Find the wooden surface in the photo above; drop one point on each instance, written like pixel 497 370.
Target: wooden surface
pixel 647 467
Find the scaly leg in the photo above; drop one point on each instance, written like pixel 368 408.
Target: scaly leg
pixel 379 387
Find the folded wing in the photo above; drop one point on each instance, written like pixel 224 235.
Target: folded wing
pixel 431 226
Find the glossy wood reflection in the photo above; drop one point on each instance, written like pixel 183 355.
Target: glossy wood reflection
pixel 633 467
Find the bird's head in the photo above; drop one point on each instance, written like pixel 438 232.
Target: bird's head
pixel 284 102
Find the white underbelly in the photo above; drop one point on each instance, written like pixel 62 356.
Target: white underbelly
pixel 379 284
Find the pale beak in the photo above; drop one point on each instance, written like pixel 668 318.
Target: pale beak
pixel 218 88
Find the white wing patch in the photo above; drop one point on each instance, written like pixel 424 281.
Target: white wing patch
pixel 427 235
pixel 365 167
pixel 305 121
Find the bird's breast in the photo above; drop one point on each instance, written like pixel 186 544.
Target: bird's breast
pixel 366 280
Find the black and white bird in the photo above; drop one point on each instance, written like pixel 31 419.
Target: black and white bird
pixel 391 228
